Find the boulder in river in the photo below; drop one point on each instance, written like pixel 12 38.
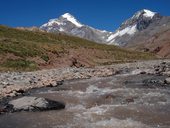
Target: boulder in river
pixel 35 104
pixel 167 80
pixel 154 82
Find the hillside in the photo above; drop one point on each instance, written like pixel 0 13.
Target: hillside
pixel 158 43
pixel 26 50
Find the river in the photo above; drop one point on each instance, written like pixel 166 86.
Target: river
pixel 120 101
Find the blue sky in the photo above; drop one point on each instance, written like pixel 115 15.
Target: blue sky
pixel 101 14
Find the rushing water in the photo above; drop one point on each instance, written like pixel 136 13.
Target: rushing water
pixel 124 101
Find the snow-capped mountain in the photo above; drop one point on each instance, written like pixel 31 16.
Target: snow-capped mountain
pixel 68 24
pixel 62 24
pixel 139 22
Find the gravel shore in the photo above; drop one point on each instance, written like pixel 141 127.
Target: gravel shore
pixel 16 83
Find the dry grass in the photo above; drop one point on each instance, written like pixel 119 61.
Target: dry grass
pixel 47 46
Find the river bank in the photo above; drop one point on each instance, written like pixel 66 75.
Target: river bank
pixel 16 83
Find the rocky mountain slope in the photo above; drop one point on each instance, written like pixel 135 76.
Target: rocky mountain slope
pixel 32 50
pixel 68 24
pixel 158 43
pixel 150 35
pixel 154 39
pixel 139 22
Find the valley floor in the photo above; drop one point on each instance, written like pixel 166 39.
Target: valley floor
pixel 133 95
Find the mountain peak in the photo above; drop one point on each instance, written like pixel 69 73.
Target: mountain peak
pixel 145 12
pixel 66 15
pixel 72 19
pixel 148 13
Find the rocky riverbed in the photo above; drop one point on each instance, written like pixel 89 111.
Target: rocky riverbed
pixel 133 95
pixel 16 83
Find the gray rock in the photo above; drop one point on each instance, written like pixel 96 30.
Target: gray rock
pixel 35 104
pixel 55 83
pixel 153 83
pixel 167 80
pixel 166 73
